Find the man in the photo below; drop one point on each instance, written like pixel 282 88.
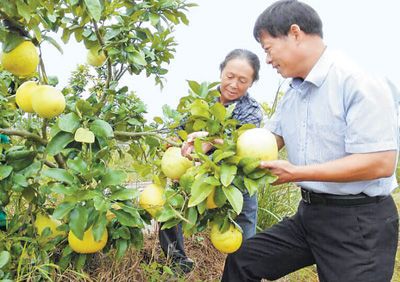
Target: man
pixel 339 127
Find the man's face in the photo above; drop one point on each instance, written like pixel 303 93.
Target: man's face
pixel 281 53
pixel 236 78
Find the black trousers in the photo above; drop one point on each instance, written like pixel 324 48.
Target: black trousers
pixel 172 243
pixel 356 243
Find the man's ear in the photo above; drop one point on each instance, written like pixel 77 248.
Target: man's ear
pixel 295 31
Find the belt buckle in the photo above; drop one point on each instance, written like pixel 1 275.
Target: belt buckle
pixel 306 196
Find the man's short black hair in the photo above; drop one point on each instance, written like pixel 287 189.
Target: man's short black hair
pixel 278 18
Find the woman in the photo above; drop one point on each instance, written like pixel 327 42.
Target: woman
pixel 239 71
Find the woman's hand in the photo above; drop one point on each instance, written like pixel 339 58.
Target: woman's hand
pixel 188 146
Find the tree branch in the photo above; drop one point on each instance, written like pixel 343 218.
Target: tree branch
pixel 25 134
pixel 146 133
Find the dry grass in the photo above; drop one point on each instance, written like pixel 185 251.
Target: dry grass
pixel 147 264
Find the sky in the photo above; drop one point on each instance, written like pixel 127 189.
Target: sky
pixel 364 30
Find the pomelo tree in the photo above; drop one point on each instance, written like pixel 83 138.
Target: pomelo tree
pixel 61 165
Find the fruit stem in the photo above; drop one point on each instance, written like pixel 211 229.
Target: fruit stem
pixel 42 68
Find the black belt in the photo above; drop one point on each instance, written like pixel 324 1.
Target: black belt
pixel 338 200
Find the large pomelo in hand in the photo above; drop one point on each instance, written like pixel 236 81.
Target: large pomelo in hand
pixel 152 199
pixel 173 164
pixel 22 60
pixel 23 96
pixel 227 242
pixel 257 143
pixel 48 102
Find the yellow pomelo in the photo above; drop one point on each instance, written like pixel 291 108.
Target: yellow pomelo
pixel 173 164
pixel 22 60
pixel 23 96
pixel 152 199
pixel 42 221
pixel 95 57
pixel 257 143
pixel 48 102
pixel 210 203
pixel 227 242
pixel 87 245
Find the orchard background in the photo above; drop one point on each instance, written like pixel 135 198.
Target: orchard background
pixel 73 171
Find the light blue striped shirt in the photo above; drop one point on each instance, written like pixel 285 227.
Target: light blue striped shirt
pixel 336 111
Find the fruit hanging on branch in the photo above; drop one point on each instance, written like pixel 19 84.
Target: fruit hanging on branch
pixel 95 57
pixel 152 199
pixel 23 96
pixel 173 164
pixel 88 244
pixel 228 241
pixel 22 60
pixel 48 102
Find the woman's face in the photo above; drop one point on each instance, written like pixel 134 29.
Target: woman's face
pixel 236 78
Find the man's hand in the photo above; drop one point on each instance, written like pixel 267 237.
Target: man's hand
pixel 285 171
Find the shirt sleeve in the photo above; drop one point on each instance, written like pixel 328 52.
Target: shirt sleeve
pixel 274 123
pixel 371 117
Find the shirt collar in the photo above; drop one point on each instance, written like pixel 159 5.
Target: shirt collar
pixel 320 70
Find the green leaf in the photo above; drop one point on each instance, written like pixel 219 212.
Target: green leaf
pixel 219 111
pixel 24 10
pixel 125 194
pixel 20 179
pixel 200 191
pixel 166 214
pixel 228 173
pixel 80 262
pixel 127 219
pixel 77 164
pixel 235 197
pixel 222 155
pixel 60 175
pixel 84 135
pixel 59 142
pixel 4 258
pixel 94 7
pixel 199 125
pixel 186 181
pixel 99 227
pixel 63 210
pixel 122 246
pixel 194 86
pixel 171 223
pixel 199 108
pixel 138 58
pixel 53 42
pixel 69 122
pixel 12 41
pixel 101 128
pixel 78 220
pixel 191 216
pixel 212 181
pixel 219 197
pixel 113 177
pixel 5 171
pixel 251 185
